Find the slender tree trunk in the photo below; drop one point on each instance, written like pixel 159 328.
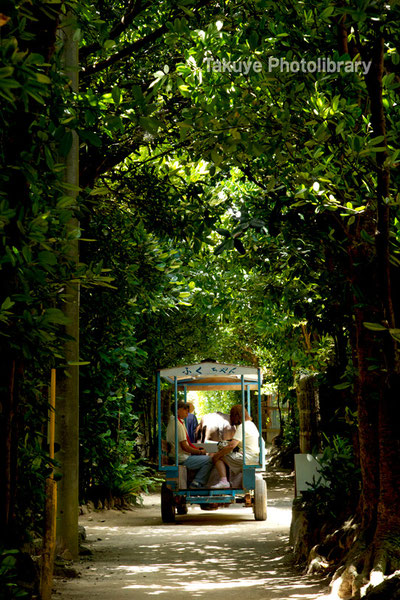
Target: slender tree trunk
pixel 154 445
pixel 367 398
pixel 281 420
pixel 309 415
pixel 67 421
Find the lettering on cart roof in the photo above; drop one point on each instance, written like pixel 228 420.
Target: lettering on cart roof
pixel 200 370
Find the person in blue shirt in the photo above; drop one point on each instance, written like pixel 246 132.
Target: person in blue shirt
pixel 191 423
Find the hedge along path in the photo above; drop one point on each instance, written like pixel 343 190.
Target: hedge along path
pixel 218 553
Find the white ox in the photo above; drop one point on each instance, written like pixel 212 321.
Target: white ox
pixel 215 427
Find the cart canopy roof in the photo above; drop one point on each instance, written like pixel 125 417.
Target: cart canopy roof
pixel 206 376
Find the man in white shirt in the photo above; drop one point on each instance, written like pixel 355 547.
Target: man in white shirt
pixel 188 455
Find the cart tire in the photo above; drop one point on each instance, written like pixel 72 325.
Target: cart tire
pixel 260 499
pixel 182 509
pixel 167 505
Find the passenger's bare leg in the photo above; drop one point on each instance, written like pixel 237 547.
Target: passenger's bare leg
pixel 223 482
pixel 221 468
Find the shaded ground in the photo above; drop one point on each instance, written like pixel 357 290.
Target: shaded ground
pixel 204 554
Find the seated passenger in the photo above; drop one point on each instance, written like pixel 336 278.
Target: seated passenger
pixel 188 455
pixel 191 423
pixel 234 460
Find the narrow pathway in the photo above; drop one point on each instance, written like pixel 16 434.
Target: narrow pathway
pixel 203 555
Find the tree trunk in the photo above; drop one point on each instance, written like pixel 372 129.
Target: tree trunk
pixel 309 415
pixel 377 549
pixel 67 421
pixel 376 358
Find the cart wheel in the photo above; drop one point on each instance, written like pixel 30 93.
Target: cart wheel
pixel 181 506
pixel 182 509
pixel 167 504
pixel 260 499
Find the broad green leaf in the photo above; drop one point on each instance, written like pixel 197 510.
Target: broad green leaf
pixel 8 303
pixel 116 94
pixel 65 144
pixel 6 72
pixel 150 124
pixel 55 315
pixel 47 258
pixel 78 363
pixel 43 78
pixel 342 386
pixel 375 326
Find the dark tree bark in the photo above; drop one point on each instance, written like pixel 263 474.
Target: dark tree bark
pixel 309 414
pixel 376 357
pixel 68 405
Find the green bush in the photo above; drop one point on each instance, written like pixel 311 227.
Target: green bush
pixel 335 493
pixel 132 480
pixel 9 588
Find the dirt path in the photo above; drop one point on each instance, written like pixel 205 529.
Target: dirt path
pixel 203 555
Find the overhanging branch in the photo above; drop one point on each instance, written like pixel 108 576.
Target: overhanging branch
pixel 135 7
pixel 138 44
pixel 130 49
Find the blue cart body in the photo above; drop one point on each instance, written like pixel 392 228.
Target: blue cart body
pixel 212 376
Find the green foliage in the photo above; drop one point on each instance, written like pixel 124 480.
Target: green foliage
pixel 131 482
pixel 291 428
pixel 334 495
pixel 208 402
pixel 9 588
pixel 35 208
pixel 114 342
pixel 34 462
